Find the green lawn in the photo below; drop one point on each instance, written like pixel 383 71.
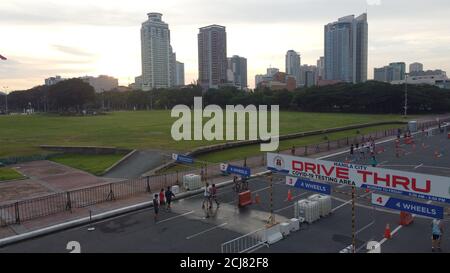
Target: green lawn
pixel 252 150
pixel 95 164
pixel 9 174
pixel 21 135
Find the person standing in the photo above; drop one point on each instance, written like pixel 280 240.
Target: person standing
pixel 156 206
pixel 162 202
pixel 206 196
pixel 436 230
pixel 169 194
pixel 356 151
pixel 352 151
pixel 213 193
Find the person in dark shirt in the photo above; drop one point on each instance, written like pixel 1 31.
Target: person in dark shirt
pixel 169 195
pixel 156 206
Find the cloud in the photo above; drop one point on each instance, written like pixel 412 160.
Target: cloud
pixel 73 50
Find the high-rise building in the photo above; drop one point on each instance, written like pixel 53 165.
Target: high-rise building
pixel 346 47
pixel 156 52
pixel 293 62
pixel 321 68
pixel 101 83
pixel 212 56
pixel 400 70
pixel 53 80
pixel 308 75
pixel 237 67
pixel 179 74
pixel 415 67
pixel 390 73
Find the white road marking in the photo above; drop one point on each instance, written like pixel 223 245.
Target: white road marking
pixel 382 163
pixel 278 210
pixel 349 201
pixel 207 230
pixel 171 218
pixel 365 227
pixel 399 227
pixel 418 166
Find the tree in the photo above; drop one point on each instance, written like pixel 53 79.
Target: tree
pixel 71 94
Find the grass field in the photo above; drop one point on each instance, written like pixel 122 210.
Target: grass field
pixel 94 164
pixel 21 135
pixel 253 150
pixel 9 174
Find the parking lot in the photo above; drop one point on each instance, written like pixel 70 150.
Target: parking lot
pixel 189 228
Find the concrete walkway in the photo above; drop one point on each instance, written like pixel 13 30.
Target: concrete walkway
pixel 137 164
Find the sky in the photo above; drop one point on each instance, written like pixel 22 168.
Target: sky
pixel 44 38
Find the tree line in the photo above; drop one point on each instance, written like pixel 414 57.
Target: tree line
pixel 75 95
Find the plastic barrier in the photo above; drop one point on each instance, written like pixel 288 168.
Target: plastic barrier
pixel 324 203
pixel 192 181
pixel 175 189
pixel 405 218
pixel 294 224
pixel 308 209
pixel 245 198
pixel 285 229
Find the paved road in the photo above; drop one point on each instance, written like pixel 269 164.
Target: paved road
pixel 137 164
pixel 187 229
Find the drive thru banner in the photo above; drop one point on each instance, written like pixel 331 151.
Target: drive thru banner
pixel 425 186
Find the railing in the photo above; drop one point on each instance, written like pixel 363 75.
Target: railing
pixel 244 243
pixel 28 209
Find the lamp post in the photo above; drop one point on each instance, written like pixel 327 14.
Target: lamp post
pixel 406 94
pixel 6 98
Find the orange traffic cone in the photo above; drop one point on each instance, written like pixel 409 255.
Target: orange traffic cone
pixel 437 154
pixel 289 197
pixel 387 232
pixel 257 199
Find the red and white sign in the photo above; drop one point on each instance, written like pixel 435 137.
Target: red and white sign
pixel 431 187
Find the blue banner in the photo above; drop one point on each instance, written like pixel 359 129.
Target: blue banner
pixel 308 185
pixel 242 171
pixel 408 206
pixel 183 158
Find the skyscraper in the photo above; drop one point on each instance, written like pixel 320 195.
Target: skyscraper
pixel 238 70
pixel 415 67
pixel 293 62
pixel 212 56
pixel 399 71
pixel 179 74
pixel 156 53
pixel 321 68
pixel 346 46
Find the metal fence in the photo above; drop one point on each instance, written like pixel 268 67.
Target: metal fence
pixel 244 243
pixel 28 209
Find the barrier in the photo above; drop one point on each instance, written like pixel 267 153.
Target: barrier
pixel 245 242
pixel 405 218
pixel 245 198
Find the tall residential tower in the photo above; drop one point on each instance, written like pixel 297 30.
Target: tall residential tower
pixel 212 56
pixel 346 46
pixel 293 63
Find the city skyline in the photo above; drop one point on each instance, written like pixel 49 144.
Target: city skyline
pixel 84 38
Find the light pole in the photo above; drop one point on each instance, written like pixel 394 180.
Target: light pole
pixel 406 94
pixel 6 98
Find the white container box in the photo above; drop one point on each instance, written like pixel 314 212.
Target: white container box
pixel 309 210
pixel 192 182
pixel 175 189
pixel 285 229
pixel 324 203
pixel 294 225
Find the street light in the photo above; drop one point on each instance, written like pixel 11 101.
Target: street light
pixel 406 94
pixel 6 98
